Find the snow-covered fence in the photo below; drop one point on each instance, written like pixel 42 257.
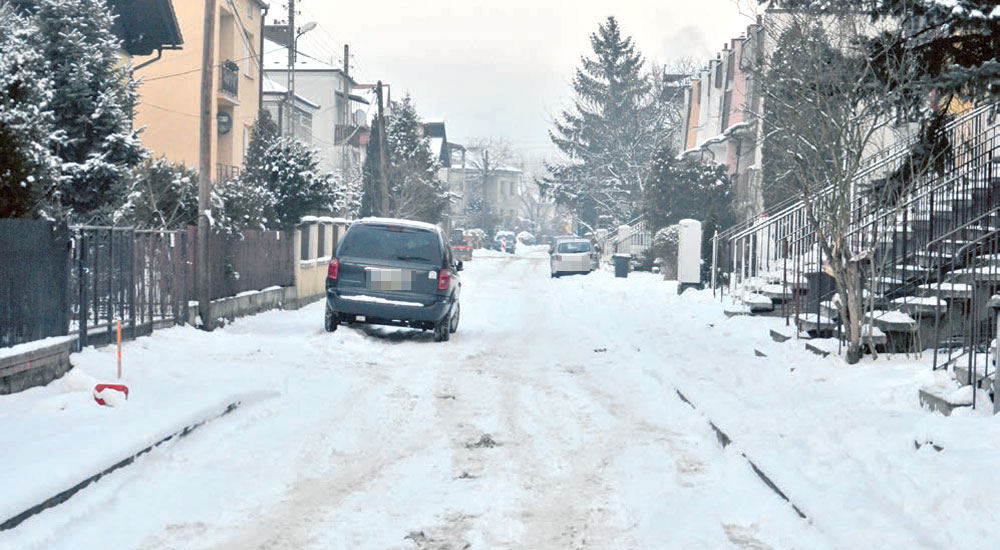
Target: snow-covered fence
pixel 251 260
pixel 140 277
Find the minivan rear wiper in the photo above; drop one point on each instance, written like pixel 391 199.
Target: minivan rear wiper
pixel 421 258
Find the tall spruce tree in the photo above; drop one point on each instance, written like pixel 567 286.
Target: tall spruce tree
pixel 263 134
pixel 610 134
pixel 92 108
pixel 415 190
pixel 26 163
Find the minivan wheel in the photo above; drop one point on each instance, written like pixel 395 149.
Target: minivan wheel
pixel 453 326
pixel 441 333
pixel 330 320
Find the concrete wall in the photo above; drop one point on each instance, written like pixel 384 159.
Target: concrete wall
pixel 34 363
pixel 311 269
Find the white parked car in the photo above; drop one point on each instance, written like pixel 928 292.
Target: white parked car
pixel 572 256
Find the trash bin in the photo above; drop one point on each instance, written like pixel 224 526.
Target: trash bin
pixel 622 262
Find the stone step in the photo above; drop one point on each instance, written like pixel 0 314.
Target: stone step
pixel 947 291
pixel 971 275
pixel 815 325
pixel 944 400
pixel 758 303
pixel 983 380
pixel 777 293
pixel 892 321
pixel 920 306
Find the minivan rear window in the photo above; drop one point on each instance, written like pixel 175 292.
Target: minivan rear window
pixel 573 247
pixel 388 242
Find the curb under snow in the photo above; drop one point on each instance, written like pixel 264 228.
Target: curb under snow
pixel 65 495
pixel 725 441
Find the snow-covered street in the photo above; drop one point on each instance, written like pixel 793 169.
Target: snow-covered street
pixel 550 420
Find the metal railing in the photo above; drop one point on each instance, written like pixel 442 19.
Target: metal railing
pixel 229 78
pixel 906 244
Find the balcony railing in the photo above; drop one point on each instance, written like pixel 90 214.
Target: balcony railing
pixel 225 172
pixel 229 79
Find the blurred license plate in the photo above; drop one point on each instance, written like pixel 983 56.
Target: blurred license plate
pixel 389 279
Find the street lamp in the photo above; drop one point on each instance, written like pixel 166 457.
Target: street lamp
pixel 292 52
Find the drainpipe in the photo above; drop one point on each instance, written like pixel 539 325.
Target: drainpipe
pixel 159 54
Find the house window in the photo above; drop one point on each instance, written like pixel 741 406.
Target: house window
pixel 250 11
pixel 247 56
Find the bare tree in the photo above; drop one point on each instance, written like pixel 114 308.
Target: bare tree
pixel 487 155
pixel 828 105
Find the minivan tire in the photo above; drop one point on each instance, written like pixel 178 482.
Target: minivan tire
pixel 441 330
pixel 330 320
pixel 453 325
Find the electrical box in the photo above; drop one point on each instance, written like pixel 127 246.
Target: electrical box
pixel 689 254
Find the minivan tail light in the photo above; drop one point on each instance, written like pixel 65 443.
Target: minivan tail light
pixel 333 269
pixel 444 279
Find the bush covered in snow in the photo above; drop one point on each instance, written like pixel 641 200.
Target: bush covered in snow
pixel 663 251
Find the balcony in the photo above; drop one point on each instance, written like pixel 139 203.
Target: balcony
pixel 229 81
pixel 225 172
pixel 355 136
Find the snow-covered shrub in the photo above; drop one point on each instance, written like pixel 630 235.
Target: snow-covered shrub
pixel 161 195
pixel 664 249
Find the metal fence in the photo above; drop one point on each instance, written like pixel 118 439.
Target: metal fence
pixel 83 280
pixel 33 280
pixel 253 260
pixel 121 274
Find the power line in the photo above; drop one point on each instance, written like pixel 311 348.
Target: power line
pixel 182 73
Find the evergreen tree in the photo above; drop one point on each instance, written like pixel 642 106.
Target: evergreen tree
pixel 93 105
pixel 610 134
pixel 26 165
pixel 681 189
pixel 263 134
pixel 289 173
pixel 415 190
pixel 244 204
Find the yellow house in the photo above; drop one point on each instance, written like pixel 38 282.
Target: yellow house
pixel 169 103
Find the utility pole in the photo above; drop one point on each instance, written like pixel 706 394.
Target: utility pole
pixel 382 189
pixel 290 98
pixel 345 116
pixel 203 277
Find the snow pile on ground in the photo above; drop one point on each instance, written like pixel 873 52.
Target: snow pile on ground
pixel 549 421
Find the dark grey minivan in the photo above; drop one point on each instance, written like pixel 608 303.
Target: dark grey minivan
pixel 394 272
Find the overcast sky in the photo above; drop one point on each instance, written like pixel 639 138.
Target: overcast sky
pixel 502 67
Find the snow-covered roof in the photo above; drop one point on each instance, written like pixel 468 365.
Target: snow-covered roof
pixel 436 145
pixel 276 59
pixel 273 88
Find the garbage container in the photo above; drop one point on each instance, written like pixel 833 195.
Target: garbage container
pixel 622 262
